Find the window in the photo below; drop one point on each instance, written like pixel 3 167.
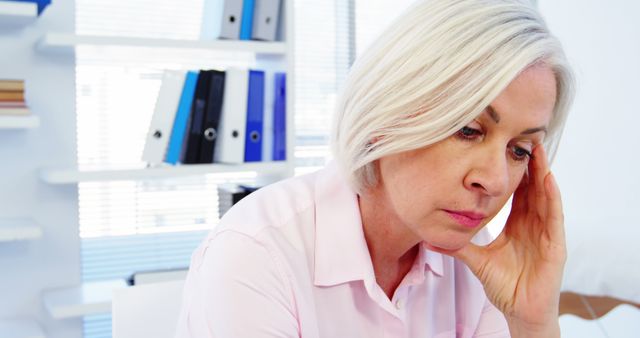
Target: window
pixel 128 226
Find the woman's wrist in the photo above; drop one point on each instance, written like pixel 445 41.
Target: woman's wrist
pixel 519 329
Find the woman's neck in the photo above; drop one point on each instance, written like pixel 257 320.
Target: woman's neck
pixel 393 247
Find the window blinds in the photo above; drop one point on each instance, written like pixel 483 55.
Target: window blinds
pixel 128 226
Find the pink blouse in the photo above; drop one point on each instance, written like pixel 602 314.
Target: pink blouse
pixel 290 260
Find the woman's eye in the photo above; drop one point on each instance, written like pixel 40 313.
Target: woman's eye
pixel 468 133
pixel 521 154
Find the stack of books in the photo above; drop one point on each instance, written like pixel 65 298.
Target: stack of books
pixel 12 101
pixel 231 193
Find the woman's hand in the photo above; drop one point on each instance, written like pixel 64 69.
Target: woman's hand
pixel 521 271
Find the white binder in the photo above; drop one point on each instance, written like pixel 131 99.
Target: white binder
pixel 266 16
pixel 164 113
pixel 211 26
pixel 231 19
pixel 233 118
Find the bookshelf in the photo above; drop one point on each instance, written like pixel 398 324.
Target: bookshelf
pixel 19 230
pixel 266 53
pixel 19 122
pixel 61 42
pixel 15 14
pixel 35 257
pixel 82 300
pixel 20 328
pixel 95 297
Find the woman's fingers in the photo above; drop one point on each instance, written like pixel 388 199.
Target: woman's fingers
pixel 555 215
pixel 519 203
pixel 538 169
pixel 473 256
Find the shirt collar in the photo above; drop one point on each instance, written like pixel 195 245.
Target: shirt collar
pixel 431 260
pixel 341 252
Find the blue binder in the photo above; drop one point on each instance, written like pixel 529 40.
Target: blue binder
pixel 246 28
pixel 280 118
pixel 255 117
pixel 182 116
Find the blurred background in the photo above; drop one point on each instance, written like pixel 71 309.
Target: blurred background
pixel 81 213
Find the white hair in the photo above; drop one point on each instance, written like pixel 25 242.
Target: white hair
pixel 434 70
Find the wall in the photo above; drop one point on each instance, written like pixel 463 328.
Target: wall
pixel 597 165
pixel 30 267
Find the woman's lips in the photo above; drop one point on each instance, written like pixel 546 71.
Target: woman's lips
pixel 468 219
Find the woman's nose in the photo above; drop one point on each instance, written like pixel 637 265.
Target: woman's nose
pixel 489 174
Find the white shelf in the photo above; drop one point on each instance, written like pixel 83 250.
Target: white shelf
pixel 66 42
pixel 20 328
pixel 83 300
pixel 67 176
pixel 18 230
pixel 17 14
pixel 19 122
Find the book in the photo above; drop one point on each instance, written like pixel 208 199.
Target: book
pixel 13 104
pixel 14 111
pixel 12 85
pixel 11 96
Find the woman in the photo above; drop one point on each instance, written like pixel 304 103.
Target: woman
pixel 441 121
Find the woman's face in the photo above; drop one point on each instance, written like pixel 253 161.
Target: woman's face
pixel 447 192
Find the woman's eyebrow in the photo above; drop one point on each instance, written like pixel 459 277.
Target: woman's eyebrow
pixel 492 113
pixel 496 118
pixel 534 130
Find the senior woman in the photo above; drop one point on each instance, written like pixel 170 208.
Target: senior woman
pixel 440 122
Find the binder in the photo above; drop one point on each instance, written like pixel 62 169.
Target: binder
pixel 280 118
pixel 212 116
pixel 182 117
pixel 196 119
pixel 164 113
pixel 247 20
pixel 265 20
pixel 212 17
pixel 255 117
pixel 233 119
pixel 231 19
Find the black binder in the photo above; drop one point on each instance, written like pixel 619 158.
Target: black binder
pixel 212 116
pixel 196 120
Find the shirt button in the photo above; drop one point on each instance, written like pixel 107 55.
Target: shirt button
pixel 398 304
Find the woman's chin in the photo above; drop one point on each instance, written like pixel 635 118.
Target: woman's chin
pixel 445 248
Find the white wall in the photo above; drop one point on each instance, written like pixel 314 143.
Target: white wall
pixel 597 163
pixel 27 268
